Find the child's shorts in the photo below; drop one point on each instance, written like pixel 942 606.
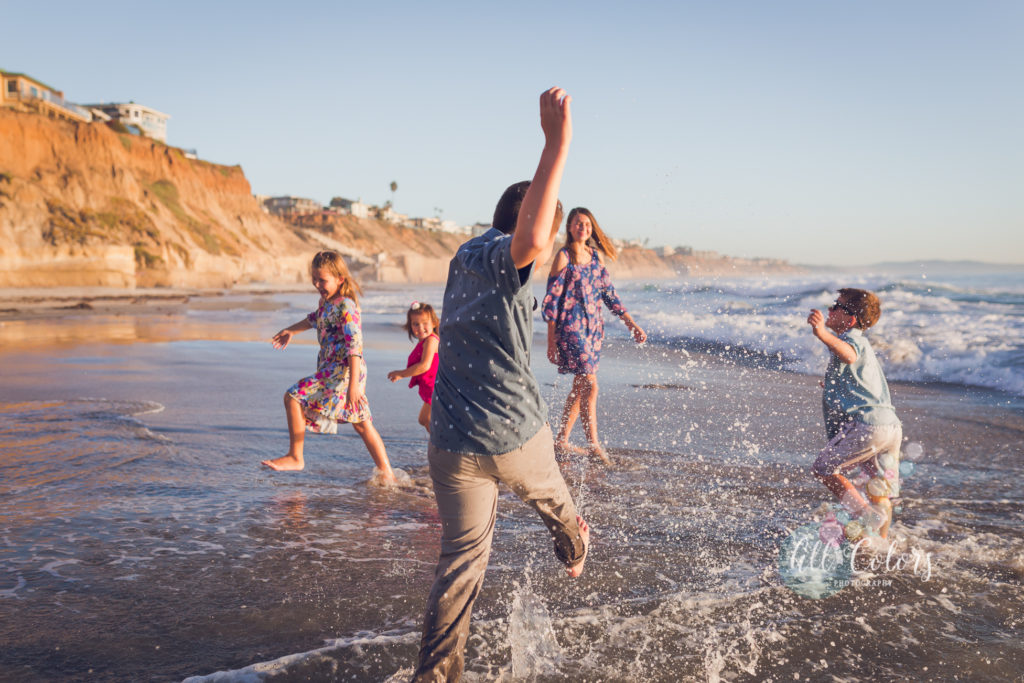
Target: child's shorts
pixel 862 445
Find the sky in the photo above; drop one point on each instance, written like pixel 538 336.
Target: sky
pixel 819 132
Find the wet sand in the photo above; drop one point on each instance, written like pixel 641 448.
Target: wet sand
pixel 141 544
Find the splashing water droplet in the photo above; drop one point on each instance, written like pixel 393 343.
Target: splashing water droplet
pixel 913 451
pixel 873 518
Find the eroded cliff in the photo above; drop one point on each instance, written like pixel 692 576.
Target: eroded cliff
pixel 81 205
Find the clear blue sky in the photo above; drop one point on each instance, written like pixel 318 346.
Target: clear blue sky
pixel 818 131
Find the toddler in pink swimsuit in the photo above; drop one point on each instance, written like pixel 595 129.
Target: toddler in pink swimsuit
pixel 421 323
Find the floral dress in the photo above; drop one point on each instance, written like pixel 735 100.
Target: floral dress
pixel 573 302
pixel 323 395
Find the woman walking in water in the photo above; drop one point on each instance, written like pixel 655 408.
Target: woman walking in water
pixel 577 285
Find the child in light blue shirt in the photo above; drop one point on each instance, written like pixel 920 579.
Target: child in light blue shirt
pixel 860 421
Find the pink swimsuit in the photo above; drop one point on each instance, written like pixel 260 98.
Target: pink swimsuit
pixel 425 381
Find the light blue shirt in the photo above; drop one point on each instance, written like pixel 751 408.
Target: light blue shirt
pixel 486 400
pixel 856 391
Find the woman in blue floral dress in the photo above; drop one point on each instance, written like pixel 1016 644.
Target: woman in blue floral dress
pixel 337 392
pixel 578 284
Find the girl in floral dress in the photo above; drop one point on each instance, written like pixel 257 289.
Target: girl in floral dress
pixel 337 392
pixel 578 283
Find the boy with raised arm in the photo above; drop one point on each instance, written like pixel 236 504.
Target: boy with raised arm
pixel 488 422
pixel 860 421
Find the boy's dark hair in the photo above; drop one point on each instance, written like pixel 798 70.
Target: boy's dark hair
pixel 865 305
pixel 506 213
pixel 418 308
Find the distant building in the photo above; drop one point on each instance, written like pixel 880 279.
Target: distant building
pixel 478 229
pixel 289 206
pixel 355 208
pixel 391 216
pixel 20 91
pixel 426 223
pixel 150 121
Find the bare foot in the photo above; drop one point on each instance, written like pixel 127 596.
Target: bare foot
pixel 383 478
pixel 600 453
pixel 577 568
pixel 566 448
pixel 286 463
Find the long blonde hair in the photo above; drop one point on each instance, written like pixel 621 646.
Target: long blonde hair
pixel 598 240
pixel 333 261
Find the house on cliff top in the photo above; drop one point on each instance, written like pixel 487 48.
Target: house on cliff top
pixel 21 91
pixel 150 121
pixel 291 206
pixel 354 208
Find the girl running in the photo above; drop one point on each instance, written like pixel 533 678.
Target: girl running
pixel 337 392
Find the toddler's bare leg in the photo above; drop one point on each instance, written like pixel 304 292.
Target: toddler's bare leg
pixel 424 418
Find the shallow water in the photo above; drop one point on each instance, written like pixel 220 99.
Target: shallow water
pixel 140 540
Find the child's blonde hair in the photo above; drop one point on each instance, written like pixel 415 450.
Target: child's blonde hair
pixel 598 239
pixel 332 261
pixel 419 308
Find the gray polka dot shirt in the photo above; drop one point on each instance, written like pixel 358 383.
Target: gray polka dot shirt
pixel 486 400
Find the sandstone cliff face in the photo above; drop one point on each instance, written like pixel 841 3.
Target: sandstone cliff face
pixel 82 205
pixel 383 252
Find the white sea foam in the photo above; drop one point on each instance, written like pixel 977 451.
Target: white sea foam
pixel 970 333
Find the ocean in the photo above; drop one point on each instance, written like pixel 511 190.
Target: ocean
pixel 140 539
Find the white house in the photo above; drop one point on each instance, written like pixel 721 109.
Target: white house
pixel 152 122
pixel 355 208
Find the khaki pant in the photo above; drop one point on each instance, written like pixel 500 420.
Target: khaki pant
pixel 466 488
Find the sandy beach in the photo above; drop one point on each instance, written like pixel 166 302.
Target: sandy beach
pixel 142 540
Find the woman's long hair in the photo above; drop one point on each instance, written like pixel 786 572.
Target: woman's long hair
pixel 598 240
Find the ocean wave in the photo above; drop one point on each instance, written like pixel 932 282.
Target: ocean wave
pixel 968 332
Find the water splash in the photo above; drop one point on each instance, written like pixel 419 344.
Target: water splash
pixel 531 635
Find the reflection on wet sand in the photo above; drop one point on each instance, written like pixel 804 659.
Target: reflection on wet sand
pixel 127 330
pixel 68 318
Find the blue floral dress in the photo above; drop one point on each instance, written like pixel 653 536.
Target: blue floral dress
pixel 573 302
pixel 323 395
